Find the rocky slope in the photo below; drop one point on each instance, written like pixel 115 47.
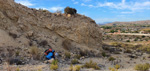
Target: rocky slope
pixel 22 27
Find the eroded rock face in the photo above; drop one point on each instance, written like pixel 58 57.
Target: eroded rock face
pixel 31 27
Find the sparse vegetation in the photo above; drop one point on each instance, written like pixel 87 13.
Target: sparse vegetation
pixel 78 56
pixel 71 67
pixel 67 55
pixel 91 64
pixel 54 62
pixel 112 69
pixel 142 67
pixel 75 68
pixel 17 53
pixel 54 65
pixel 35 52
pixel 74 61
pixel 111 59
pixel 17 69
pixel 117 66
pixel 103 54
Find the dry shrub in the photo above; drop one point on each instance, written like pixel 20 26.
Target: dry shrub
pixel 67 55
pixel 74 61
pixel 17 53
pixel 75 68
pixel 78 56
pixel 144 48
pixel 116 44
pixel 17 69
pixel 54 62
pixel 142 67
pixel 71 67
pixel 53 67
pixel 117 66
pixel 112 69
pixel 35 52
pixel 91 64
pixel 111 59
pixel 84 52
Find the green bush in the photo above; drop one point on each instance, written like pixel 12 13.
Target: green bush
pixel 142 67
pixel 69 10
pixel 74 61
pixel 91 64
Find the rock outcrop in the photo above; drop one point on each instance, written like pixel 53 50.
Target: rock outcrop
pixel 22 27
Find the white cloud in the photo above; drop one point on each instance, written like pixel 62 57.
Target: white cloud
pixel 82 4
pixel 123 5
pixel 127 12
pixel 54 9
pixel 24 2
pixel 75 2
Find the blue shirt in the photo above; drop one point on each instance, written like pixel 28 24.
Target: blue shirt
pixel 49 56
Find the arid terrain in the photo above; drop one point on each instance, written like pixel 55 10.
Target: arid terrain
pixel 81 44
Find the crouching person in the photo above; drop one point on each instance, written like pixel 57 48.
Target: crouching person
pixel 50 56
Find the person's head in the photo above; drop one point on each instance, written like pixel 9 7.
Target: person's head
pixel 50 50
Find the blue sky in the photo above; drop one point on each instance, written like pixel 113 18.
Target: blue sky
pixel 99 10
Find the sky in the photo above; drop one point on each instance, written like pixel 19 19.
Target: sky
pixel 101 11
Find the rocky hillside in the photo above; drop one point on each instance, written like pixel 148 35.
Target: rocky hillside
pixel 22 28
pixel 137 23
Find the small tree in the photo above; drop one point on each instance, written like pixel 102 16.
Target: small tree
pixel 69 10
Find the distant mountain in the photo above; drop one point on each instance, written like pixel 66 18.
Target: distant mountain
pixel 103 23
pixel 134 23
